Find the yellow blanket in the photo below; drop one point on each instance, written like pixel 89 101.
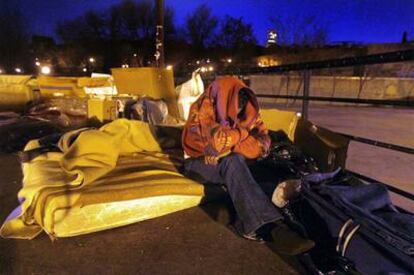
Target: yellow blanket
pixel 119 162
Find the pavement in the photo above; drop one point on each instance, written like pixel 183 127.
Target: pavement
pixel 190 241
pixel 186 242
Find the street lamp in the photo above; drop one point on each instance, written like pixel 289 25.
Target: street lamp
pixel 92 60
pixel 37 63
pixel 169 67
pixel 229 60
pixel 84 70
pixel 18 70
pixel 45 70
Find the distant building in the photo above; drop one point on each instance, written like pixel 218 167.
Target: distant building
pixel 271 38
pixel 281 55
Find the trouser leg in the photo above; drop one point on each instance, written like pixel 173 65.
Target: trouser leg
pixel 252 206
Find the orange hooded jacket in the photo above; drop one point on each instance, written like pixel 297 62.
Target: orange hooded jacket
pixel 215 128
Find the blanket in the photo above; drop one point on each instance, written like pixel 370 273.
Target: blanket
pixel 86 167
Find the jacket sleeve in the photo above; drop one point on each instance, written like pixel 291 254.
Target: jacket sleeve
pixel 257 144
pixel 263 135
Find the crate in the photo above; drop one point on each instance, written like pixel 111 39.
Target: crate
pixel 102 109
pixel 147 81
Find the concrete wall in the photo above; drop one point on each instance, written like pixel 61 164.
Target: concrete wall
pixel 329 86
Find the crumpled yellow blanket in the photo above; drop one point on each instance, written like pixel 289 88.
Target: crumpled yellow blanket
pixel 88 171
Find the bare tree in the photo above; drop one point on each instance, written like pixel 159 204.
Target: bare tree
pixel 200 27
pixel 13 36
pixel 234 33
pixel 124 33
pixel 128 20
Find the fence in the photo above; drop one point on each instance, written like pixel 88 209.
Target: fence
pixel 306 71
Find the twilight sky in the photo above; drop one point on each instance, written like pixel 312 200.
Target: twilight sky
pixel 348 20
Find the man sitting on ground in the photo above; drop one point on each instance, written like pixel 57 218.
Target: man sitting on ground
pixel 224 129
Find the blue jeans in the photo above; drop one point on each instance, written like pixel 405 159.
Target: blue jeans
pixel 253 207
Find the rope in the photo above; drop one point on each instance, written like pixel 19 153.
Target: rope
pixel 348 239
pixel 341 234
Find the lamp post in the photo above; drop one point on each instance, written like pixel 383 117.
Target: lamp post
pixel 159 39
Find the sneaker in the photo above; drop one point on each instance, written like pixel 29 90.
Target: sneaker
pixel 253 237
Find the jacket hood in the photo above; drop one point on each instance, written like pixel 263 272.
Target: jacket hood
pixel 224 92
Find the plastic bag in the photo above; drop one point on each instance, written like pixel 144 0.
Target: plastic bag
pixel 188 93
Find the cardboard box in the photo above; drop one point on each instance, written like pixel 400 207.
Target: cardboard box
pixel 102 109
pixel 147 81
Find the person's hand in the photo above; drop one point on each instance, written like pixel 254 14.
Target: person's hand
pixel 211 160
pixel 222 141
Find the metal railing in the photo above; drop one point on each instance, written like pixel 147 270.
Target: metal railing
pixel 306 68
pixel 381 144
pixel 390 187
pixel 380 102
pixel 373 59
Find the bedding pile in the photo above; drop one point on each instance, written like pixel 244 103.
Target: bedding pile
pixel 97 178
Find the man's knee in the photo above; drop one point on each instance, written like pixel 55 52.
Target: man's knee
pixel 232 162
pixel 234 158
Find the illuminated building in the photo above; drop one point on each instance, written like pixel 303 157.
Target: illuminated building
pixel 271 38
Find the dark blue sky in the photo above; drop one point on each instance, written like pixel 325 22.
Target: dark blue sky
pixel 348 20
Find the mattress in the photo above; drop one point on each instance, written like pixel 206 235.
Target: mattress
pixel 101 216
pixel 142 186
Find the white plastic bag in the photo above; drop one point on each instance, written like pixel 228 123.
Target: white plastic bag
pixel 188 93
